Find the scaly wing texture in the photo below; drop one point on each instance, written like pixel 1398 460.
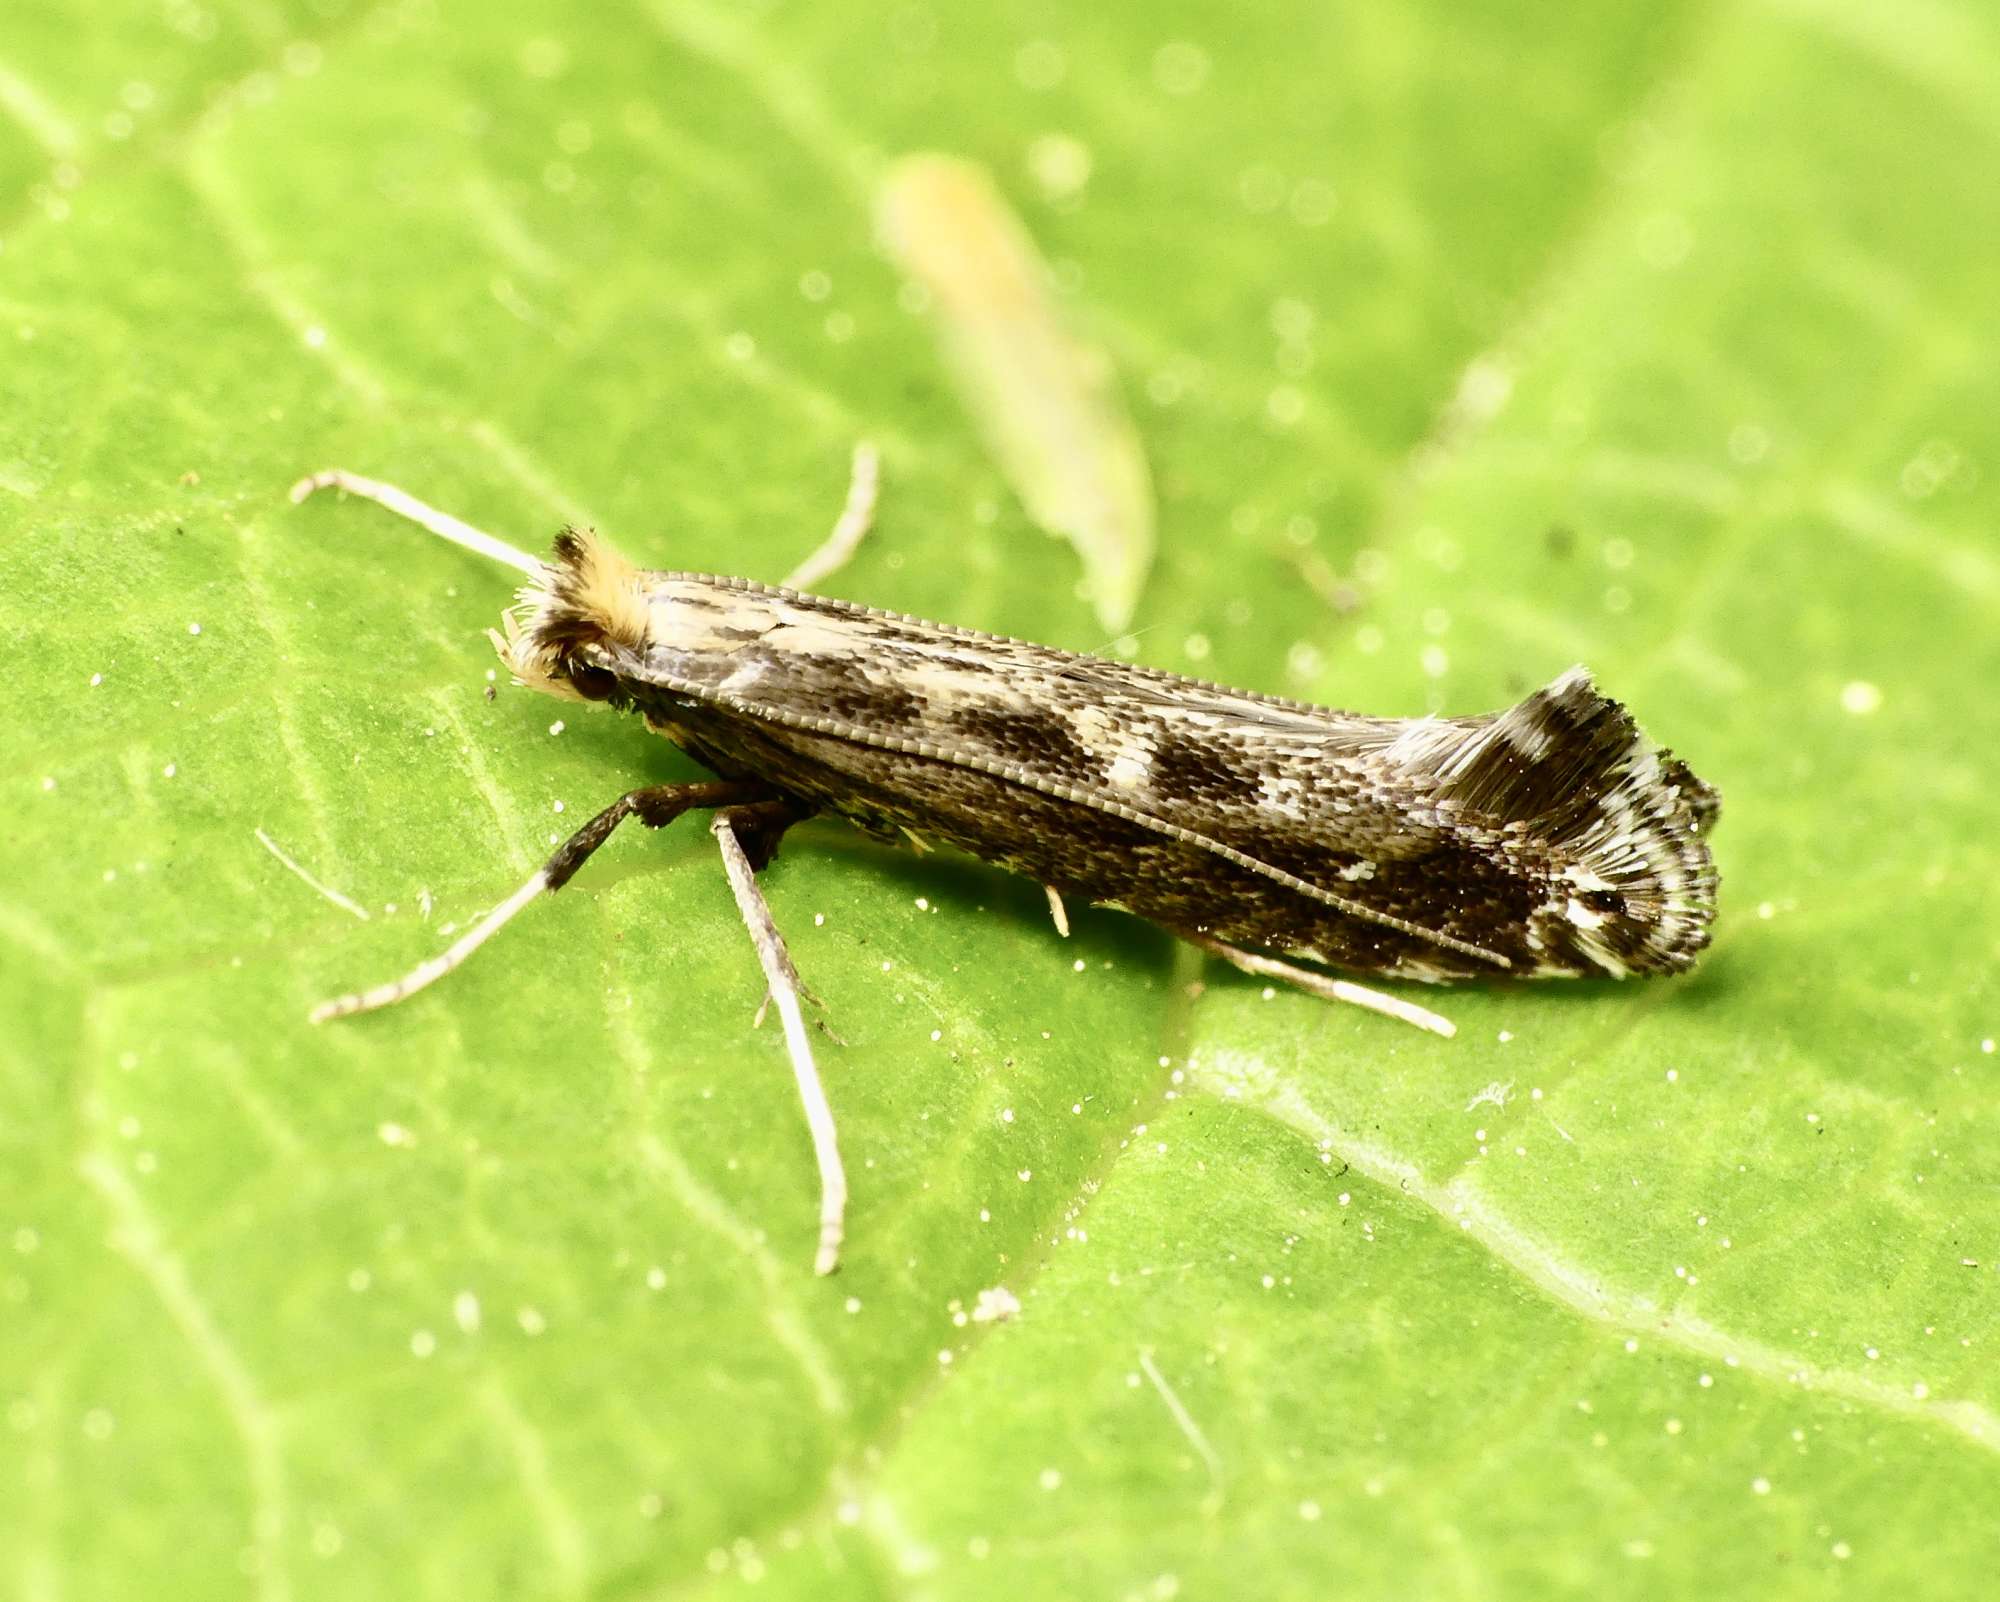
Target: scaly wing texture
pixel 1552 836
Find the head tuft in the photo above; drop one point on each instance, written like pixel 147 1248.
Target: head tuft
pixel 588 602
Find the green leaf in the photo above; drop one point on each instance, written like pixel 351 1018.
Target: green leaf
pixel 1464 343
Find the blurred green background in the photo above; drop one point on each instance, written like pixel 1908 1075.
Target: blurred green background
pixel 1658 338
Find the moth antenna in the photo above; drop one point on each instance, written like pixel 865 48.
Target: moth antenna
pixel 857 516
pixel 422 513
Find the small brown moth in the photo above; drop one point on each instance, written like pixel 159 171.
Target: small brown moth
pixel 1551 840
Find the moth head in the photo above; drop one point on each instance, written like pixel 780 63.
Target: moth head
pixel 568 629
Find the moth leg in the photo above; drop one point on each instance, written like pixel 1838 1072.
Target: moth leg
pixel 764 1006
pixel 850 528
pixel 404 504
pixel 1320 984
pixel 825 1028
pixel 783 980
pixel 656 807
pixel 1056 910
pixel 759 826
pixel 760 820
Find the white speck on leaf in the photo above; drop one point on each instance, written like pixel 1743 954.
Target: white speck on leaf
pixel 1860 698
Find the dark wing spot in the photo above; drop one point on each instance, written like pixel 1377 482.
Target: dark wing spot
pixel 847 692
pixel 1584 740
pixel 1204 773
pixel 1703 800
pixel 1038 741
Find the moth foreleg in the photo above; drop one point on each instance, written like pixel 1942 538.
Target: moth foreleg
pixel 657 806
pixel 782 979
pixel 1321 984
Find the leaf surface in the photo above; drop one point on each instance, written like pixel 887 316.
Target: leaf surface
pixel 1463 344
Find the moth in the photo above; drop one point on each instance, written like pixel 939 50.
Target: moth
pixel 1550 840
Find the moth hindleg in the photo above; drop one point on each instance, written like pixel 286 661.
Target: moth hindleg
pixel 1322 984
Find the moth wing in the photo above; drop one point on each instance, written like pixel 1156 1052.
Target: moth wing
pixel 1554 832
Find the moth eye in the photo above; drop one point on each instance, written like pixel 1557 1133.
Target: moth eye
pixel 592 683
